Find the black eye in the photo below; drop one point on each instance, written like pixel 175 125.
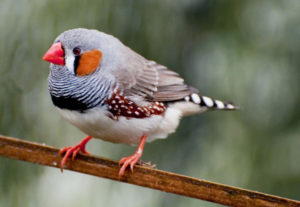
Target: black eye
pixel 76 51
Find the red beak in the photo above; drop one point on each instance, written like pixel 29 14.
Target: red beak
pixel 55 54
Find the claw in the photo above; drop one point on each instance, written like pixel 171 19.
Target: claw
pixel 73 151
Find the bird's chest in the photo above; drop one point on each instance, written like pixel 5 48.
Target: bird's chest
pixel 96 122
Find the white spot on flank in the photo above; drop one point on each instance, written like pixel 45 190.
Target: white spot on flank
pixel 195 98
pixel 220 104
pixel 137 113
pixel 208 101
pixel 113 102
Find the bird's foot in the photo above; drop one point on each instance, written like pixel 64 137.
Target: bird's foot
pixel 126 161
pixel 73 151
pixel 133 159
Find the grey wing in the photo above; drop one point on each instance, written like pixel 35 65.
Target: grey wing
pixel 155 82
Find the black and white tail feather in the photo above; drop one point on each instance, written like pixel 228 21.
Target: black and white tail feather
pixel 209 103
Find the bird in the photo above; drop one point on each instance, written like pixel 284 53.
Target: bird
pixel 111 92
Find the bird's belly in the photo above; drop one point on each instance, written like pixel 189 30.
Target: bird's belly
pixel 96 123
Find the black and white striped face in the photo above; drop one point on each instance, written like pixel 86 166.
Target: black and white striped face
pixel 72 58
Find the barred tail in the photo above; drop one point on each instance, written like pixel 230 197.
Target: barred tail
pixel 207 102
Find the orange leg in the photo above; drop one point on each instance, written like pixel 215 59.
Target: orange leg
pixel 132 160
pixel 73 151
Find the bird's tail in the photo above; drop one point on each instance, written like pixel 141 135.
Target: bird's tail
pixel 209 103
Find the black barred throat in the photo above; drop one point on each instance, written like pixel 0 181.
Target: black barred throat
pixel 119 105
pixel 205 101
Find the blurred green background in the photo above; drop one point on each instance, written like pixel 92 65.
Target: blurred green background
pixel 244 51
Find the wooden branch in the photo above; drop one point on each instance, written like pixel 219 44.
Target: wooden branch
pixel 142 176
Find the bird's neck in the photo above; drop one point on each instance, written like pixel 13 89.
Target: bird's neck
pixel 77 93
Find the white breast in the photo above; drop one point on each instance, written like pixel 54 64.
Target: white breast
pixel 96 123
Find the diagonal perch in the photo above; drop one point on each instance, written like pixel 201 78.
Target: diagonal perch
pixel 142 176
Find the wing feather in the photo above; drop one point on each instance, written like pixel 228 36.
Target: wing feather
pixel 155 82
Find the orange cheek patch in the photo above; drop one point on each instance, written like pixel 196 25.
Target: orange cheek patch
pixel 88 62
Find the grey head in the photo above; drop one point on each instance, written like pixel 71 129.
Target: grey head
pixel 87 40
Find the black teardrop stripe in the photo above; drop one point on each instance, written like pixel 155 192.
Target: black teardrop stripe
pixel 76 62
pixel 70 103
